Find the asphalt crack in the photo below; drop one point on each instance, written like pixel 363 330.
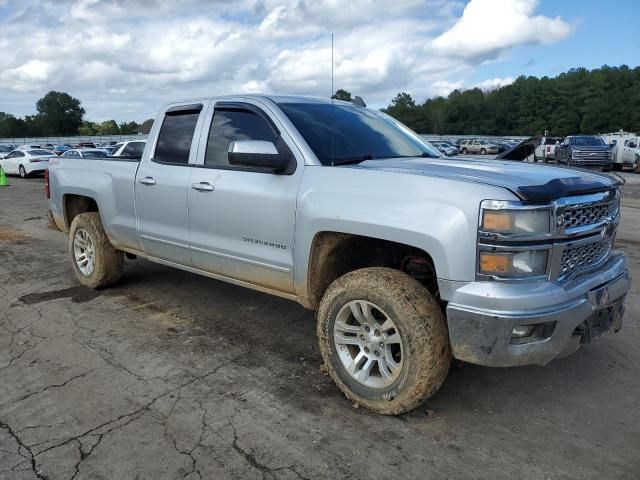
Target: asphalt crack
pixel 21 444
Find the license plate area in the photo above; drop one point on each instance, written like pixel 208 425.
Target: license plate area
pixel 602 321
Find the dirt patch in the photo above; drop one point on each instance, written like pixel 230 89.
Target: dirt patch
pixel 13 236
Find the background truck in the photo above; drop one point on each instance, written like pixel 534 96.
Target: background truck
pixel 546 151
pixel 589 151
pixel 408 258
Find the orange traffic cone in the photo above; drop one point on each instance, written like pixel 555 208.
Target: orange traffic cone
pixel 3 178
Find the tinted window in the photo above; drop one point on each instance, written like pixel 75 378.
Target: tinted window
pixel 587 141
pixel 94 154
pixel 134 149
pixel 232 125
pixel 176 134
pixel 39 152
pixel 348 134
pixel 5 149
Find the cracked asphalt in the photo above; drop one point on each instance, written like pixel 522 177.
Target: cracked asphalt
pixel 170 375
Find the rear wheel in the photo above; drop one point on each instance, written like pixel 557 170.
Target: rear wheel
pixel 384 340
pixel 636 166
pixel 22 171
pixel 95 261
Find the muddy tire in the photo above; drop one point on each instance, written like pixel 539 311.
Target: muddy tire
pixel 463 151
pixel 388 331
pixel 636 166
pixel 95 262
pixel 483 151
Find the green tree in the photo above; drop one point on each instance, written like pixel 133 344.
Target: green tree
pixel 88 129
pixel 60 113
pixel 128 128
pixel 110 127
pixel 342 95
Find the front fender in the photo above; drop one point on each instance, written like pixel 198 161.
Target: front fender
pixel 436 215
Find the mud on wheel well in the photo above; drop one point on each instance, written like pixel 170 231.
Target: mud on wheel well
pixel 335 254
pixel 75 205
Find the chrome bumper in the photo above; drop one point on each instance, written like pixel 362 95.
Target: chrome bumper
pixel 482 315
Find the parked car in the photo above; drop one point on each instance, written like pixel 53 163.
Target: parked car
pixel 5 150
pixel 478 146
pixel 84 153
pixel 48 146
pixel 546 151
pixel 26 162
pixel 60 149
pixel 132 148
pixel 23 148
pixel 408 257
pixel 86 145
pixel 445 149
pixel 588 151
pixel 450 144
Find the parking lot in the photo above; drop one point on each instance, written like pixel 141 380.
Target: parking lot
pixel 172 375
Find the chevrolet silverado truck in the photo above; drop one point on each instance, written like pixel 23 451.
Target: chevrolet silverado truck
pixel 408 258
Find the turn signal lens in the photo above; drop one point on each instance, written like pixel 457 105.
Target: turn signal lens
pixel 498 221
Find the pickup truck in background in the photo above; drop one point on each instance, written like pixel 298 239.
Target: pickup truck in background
pixel 546 151
pixel 628 154
pixel 408 258
pixel 587 151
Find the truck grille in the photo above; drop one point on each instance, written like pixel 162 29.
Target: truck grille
pixel 590 215
pixel 587 157
pixel 577 258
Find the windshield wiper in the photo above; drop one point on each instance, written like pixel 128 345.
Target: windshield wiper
pixel 368 156
pixel 347 161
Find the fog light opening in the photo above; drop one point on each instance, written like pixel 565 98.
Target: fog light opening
pixel 522 331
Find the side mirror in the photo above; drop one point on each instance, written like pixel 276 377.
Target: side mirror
pixel 257 153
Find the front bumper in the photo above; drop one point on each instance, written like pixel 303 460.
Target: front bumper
pixel 482 315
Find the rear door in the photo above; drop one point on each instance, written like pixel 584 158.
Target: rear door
pixel 162 182
pixel 242 219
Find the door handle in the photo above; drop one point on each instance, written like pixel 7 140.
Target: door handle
pixel 202 187
pixel 147 181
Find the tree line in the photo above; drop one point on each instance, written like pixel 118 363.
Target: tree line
pixel 59 114
pixel 583 101
pixel 578 101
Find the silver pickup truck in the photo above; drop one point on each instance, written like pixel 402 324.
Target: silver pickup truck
pixel 408 258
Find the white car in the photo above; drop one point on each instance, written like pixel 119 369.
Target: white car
pixel 26 162
pixel 84 153
pixel 24 148
pixel 630 153
pixel 132 148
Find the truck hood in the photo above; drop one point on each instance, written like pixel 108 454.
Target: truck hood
pixel 530 182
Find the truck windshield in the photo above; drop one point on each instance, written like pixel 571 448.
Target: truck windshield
pixel 341 134
pixel 587 141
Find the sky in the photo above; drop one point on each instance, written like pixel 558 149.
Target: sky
pixel 125 58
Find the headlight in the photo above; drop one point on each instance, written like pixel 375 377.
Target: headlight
pixel 515 222
pixel 527 263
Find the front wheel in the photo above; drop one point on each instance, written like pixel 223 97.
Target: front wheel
pixel 463 151
pixel 483 151
pixel 22 171
pixel 95 261
pixel 383 339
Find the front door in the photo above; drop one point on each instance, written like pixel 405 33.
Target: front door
pixel 162 183
pixel 242 222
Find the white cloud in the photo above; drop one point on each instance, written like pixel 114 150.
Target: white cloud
pixel 124 58
pixel 493 83
pixel 488 27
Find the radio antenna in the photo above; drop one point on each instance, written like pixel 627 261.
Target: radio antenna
pixel 332 118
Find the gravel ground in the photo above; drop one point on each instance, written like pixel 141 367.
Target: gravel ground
pixel 171 375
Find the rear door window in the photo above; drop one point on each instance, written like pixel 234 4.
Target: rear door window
pixel 134 149
pixel 176 136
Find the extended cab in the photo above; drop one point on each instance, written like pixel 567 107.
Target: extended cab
pixel 408 258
